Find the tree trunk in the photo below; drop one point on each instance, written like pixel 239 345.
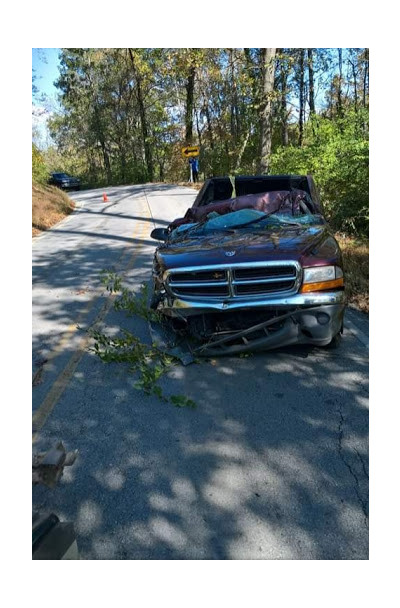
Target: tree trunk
pixel 268 76
pixel 209 125
pixel 145 135
pixel 311 80
pixel 189 104
pixel 353 68
pixel 242 149
pixel 234 99
pixel 283 114
pixel 198 126
pixel 301 97
pixel 91 163
pixel 339 93
pixel 101 139
pixel 106 159
pixel 232 117
pixel 365 83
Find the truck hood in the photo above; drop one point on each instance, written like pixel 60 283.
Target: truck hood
pixel 283 243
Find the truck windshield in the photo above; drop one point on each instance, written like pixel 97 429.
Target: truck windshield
pixel 250 220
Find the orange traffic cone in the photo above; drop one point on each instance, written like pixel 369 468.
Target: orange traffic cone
pixel 105 199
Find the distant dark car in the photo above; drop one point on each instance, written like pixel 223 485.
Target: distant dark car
pixel 253 265
pixel 64 181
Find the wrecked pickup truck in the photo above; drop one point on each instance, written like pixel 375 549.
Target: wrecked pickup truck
pixel 251 266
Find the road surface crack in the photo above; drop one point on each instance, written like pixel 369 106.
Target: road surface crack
pixel 362 463
pixel 363 502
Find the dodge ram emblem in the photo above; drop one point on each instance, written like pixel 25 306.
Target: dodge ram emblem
pixel 230 253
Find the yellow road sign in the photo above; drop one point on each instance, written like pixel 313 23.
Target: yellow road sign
pixel 188 151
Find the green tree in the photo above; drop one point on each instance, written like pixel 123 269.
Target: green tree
pixel 126 113
pixel 337 156
pixel 39 169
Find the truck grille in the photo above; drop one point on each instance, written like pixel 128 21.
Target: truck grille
pixel 235 281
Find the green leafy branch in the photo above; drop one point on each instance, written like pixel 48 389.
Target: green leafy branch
pixel 149 362
pixel 132 303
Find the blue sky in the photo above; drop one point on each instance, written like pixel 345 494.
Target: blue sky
pixel 45 68
pixel 45 62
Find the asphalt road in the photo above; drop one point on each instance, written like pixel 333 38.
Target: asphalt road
pixel 273 462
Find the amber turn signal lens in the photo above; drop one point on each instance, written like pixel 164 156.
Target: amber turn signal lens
pixel 323 286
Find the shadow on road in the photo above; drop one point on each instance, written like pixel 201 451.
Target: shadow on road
pixel 128 217
pixel 271 464
pixel 68 284
pixel 104 235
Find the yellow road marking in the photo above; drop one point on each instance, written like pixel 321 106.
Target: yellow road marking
pixel 74 326
pixel 46 407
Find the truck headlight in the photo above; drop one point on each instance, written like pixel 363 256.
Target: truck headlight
pixel 319 278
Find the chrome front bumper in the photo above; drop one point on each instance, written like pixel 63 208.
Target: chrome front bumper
pixel 180 307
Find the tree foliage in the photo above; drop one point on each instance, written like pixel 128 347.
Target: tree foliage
pixel 336 154
pixel 126 113
pixel 39 167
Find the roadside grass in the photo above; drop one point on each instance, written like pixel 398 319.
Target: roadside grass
pixel 194 185
pixel 356 267
pixel 49 206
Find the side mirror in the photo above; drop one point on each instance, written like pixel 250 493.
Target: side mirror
pixel 159 234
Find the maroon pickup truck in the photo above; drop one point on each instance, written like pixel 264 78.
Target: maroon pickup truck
pixel 252 266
